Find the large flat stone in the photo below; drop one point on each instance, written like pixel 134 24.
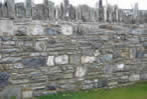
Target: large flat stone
pixel 61 59
pixel 34 62
pixel 134 77
pixel 27 93
pixel 107 58
pixel 120 67
pixel 67 30
pixel 40 46
pixel 75 59
pixel 143 76
pixel 6 27
pixel 36 28
pixel 102 83
pixel 9 60
pixel 88 59
pixel 4 76
pixel 80 72
pixel 50 61
pixel 49 31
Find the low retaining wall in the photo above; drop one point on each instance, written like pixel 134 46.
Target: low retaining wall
pixel 82 57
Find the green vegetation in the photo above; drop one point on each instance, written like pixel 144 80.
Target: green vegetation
pixel 137 91
pixel 13 97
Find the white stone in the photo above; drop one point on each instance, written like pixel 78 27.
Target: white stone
pixel 97 53
pixel 67 29
pixel 88 59
pixel 27 94
pixel 80 72
pixel 6 27
pixel 120 66
pixel 61 59
pixel 134 77
pixel 96 80
pixel 50 61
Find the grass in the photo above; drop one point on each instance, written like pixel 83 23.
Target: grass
pixel 13 97
pixel 137 91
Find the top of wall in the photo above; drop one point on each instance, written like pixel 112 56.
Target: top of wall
pixel 28 27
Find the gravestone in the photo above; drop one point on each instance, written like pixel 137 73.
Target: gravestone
pixel 28 8
pixel 85 13
pixel 101 10
pixel 72 12
pixel 4 10
pixel 51 10
pixel 1 14
pixel 37 12
pixel 66 7
pixel 46 9
pixel 11 8
pixel 20 9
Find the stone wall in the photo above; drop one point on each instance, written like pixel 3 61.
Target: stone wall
pixel 39 57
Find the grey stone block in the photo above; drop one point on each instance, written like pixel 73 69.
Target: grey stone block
pixel 134 77
pixel 41 46
pixel 34 62
pixel 9 60
pixel 4 76
pixel 75 59
pixel 107 58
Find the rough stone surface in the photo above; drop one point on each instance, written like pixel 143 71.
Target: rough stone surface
pixel 34 62
pixel 27 93
pixel 4 76
pixel 88 59
pixel 46 63
pixel 107 58
pixel 7 27
pixel 61 59
pixel 75 59
pixel 10 92
pixel 134 77
pixel 36 28
pixel 50 61
pixel 67 30
pixel 120 67
pixel 40 46
pixel 18 66
pixel 80 72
